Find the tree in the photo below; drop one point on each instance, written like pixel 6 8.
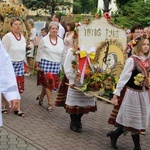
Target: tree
pixel 84 6
pixel 121 2
pixel 133 12
pixel 50 5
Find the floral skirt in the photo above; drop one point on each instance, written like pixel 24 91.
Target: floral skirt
pixel 20 82
pixel 48 80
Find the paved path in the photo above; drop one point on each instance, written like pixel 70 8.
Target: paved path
pixel 42 130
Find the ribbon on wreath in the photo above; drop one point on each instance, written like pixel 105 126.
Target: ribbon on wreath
pixel 88 55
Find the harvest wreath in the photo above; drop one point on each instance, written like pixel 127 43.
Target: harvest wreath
pixel 88 71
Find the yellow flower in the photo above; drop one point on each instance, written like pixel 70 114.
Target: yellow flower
pixel 136 83
pixel 138 79
pixel 149 80
pixel 133 42
pixel 116 79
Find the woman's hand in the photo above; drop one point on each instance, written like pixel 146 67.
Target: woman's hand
pixel 115 100
pixel 37 66
pixel 38 69
pixel 13 105
pixel 72 86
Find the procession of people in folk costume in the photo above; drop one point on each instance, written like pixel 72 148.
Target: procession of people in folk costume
pixel 83 78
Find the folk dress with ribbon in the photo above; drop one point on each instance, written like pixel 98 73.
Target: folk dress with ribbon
pixel 76 101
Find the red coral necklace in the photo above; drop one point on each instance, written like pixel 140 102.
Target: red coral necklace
pixel 18 39
pixel 52 42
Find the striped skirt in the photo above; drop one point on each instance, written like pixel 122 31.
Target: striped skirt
pixel 131 113
pixel 77 102
pixel 62 93
pixel 114 113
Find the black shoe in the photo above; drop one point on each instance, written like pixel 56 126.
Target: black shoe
pixel 80 125
pixel 113 139
pixel 137 148
pixel 40 100
pixel 136 141
pixel 75 128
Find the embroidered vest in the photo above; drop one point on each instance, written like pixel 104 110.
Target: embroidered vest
pixel 139 68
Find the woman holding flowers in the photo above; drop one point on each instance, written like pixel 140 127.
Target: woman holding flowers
pixel 133 114
pixel 77 103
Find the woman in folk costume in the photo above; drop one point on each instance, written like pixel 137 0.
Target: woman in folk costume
pixel 70 41
pixel 48 61
pixel 132 93
pixel 77 103
pixel 15 45
pixel 8 84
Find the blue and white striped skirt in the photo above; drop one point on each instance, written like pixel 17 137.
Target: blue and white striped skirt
pixel 18 68
pixel 49 66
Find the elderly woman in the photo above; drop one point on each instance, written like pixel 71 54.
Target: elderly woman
pixel 15 45
pixel 48 62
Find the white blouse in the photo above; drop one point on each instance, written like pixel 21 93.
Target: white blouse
pixel 16 49
pixel 69 71
pixel 48 51
pixel 61 31
pixel 33 34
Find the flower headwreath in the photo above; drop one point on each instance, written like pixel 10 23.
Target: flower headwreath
pixel 135 41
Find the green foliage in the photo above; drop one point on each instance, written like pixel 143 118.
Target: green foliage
pixel 78 18
pixel 50 5
pixel 61 75
pixel 94 11
pixel 129 12
pixel 121 2
pixel 84 6
pixel 132 12
pixel 77 7
pixel 62 14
